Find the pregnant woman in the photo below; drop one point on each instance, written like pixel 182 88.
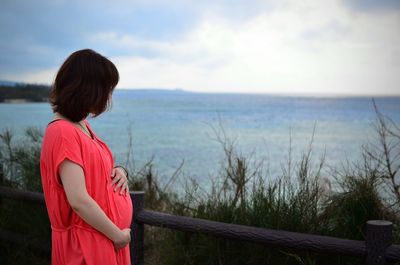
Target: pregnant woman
pixel 86 195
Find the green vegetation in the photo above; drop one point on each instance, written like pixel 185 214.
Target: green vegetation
pixel 24 93
pixel 20 169
pixel 300 200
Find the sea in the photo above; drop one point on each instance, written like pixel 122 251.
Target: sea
pixel 185 133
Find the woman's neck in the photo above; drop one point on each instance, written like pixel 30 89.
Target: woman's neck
pixel 60 116
pixel 80 125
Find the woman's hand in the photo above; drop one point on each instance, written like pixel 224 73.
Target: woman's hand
pixel 122 239
pixel 120 180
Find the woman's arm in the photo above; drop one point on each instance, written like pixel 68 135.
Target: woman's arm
pixel 73 181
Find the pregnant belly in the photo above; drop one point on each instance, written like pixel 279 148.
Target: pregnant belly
pixel 121 207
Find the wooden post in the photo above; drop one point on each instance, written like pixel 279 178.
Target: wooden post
pixel 1 183
pixel 137 229
pixel 379 237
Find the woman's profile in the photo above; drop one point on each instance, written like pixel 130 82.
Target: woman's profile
pixel 86 195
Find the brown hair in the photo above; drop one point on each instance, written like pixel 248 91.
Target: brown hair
pixel 83 85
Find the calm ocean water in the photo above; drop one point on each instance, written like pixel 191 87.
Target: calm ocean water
pixel 175 126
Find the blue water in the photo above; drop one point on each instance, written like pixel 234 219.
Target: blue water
pixel 175 126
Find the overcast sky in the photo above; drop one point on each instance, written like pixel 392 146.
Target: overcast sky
pixel 273 46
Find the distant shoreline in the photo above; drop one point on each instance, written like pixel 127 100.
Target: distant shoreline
pixel 21 101
pixel 24 93
pixel 16 100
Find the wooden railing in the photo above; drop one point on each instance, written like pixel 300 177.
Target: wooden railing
pixel 43 246
pixel 377 249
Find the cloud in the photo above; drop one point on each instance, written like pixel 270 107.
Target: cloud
pixel 40 34
pixel 373 5
pixel 45 76
pixel 320 48
pixel 270 47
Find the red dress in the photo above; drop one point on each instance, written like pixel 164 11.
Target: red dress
pixel 73 240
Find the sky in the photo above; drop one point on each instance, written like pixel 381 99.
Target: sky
pixel 330 47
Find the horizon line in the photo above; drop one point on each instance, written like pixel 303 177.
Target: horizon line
pixel 277 94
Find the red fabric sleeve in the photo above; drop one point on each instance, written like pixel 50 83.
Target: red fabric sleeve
pixel 67 145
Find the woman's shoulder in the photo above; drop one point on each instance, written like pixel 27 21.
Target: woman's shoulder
pixel 60 127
